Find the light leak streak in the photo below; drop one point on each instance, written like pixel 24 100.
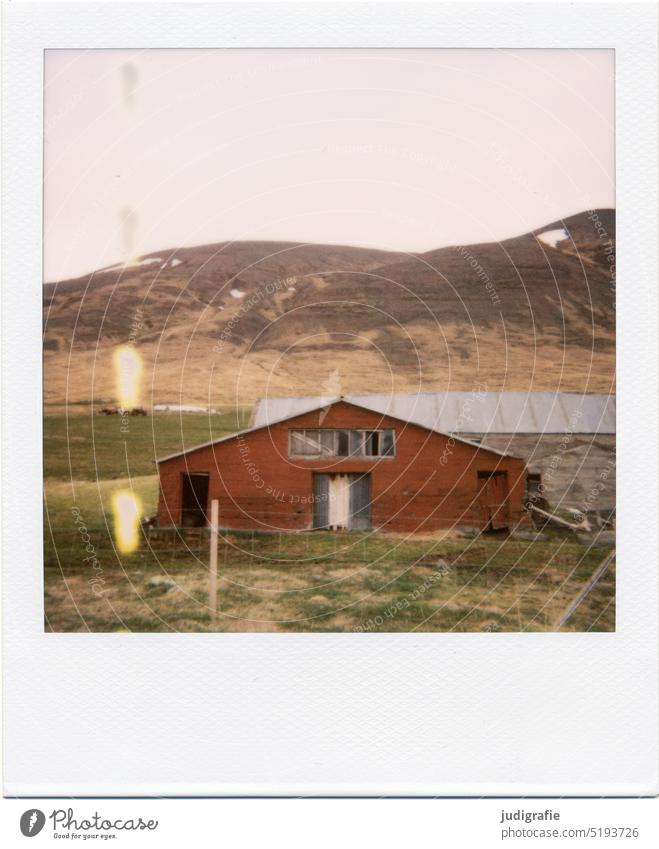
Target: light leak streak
pixel 128 369
pixel 127 510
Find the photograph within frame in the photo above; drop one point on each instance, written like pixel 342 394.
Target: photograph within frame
pixel 338 248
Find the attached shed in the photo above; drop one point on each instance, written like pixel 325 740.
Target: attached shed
pixel 340 465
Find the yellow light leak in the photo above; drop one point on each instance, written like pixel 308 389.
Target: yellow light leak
pixel 127 511
pixel 128 368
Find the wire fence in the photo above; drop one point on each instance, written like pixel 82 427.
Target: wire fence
pixel 69 549
pixel 65 545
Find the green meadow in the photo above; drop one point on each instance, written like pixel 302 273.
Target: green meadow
pixel 94 447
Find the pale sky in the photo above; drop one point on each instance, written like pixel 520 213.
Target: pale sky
pixel 396 149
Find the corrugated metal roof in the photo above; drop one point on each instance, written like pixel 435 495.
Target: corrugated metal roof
pixel 469 412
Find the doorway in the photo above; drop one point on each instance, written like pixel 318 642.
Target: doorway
pixel 342 502
pixel 493 500
pixel 194 499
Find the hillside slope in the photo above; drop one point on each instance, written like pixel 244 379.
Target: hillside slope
pixel 230 322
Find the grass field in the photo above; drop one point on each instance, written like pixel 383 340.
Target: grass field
pixel 355 582
pixel 85 446
pixel 327 582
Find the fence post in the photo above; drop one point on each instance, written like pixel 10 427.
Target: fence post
pixel 212 581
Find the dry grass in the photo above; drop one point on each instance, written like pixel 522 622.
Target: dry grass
pixel 334 582
pixel 549 366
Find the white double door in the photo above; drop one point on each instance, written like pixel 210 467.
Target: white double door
pixel 342 501
pixel 339 501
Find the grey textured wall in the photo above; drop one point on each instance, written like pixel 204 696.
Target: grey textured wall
pixel 578 471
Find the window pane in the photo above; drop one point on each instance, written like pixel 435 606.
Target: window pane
pixel 297 442
pixel 342 443
pixel 327 443
pixel 387 443
pixel 372 443
pixel 305 443
pixel 312 442
pixel 356 443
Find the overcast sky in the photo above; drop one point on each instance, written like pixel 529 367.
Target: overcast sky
pixel 397 149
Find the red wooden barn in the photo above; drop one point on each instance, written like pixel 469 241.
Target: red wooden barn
pixel 342 466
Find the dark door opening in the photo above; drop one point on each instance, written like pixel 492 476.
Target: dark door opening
pixel 194 499
pixel 342 501
pixel 493 500
pixel 534 497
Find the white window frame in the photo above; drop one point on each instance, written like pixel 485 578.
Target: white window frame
pixel 335 455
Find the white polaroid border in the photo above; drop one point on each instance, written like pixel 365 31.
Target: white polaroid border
pixel 331 714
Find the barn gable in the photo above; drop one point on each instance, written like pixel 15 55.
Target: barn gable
pixel 323 408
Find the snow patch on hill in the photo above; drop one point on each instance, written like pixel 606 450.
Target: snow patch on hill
pixel 552 237
pixel 148 261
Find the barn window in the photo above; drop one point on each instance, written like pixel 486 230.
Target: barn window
pixel 372 443
pixel 312 443
pixel 327 443
pixel 341 443
pixel 356 443
pixel 300 445
pixel 387 443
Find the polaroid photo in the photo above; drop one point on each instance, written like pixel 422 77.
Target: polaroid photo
pixel 331 357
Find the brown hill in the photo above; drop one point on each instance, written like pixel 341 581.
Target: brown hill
pixel 230 322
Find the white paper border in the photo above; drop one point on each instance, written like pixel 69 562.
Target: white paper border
pixel 312 714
